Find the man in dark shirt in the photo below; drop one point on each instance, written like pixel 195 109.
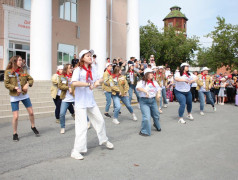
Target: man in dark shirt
pixel 74 61
pixel 131 61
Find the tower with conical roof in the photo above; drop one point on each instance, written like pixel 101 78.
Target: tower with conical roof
pixel 176 19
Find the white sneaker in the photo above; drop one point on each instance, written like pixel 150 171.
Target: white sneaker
pixel 160 111
pixel 62 131
pixel 134 117
pixel 202 113
pixel 77 156
pixel 108 145
pixel 190 117
pixel 165 106
pixel 222 103
pixel 181 121
pixel 89 125
pixel 214 109
pixel 115 121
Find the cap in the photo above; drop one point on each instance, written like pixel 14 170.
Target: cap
pixel 205 69
pixel 148 70
pixel 131 65
pixel 230 76
pixel 152 55
pixel 154 67
pixel 223 79
pixel 108 64
pixel 160 67
pixel 60 67
pixel 85 51
pixel 184 64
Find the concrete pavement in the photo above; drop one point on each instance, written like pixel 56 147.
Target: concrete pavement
pixel 205 148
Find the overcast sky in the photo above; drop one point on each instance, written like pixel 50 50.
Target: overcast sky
pixel 201 14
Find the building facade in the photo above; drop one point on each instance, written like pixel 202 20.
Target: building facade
pixel 48 33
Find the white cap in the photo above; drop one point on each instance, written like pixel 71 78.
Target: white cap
pixel 60 67
pixel 108 64
pixel 148 70
pixel 169 74
pixel 184 64
pixel 152 55
pixel 223 79
pixel 160 67
pixel 85 51
pixel 131 65
pixel 205 69
pixel 154 67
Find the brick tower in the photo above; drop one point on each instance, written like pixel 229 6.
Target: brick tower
pixel 177 20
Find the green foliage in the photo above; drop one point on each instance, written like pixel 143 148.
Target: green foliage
pixel 224 49
pixel 169 47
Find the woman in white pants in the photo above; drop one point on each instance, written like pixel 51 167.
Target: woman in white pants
pixel 85 79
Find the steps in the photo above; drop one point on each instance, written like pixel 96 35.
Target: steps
pixel 42 103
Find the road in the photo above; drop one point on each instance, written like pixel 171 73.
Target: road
pixel 206 148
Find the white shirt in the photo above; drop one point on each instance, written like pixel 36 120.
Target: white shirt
pixel 167 72
pixel 68 97
pixel 21 96
pixel 149 88
pixel 83 95
pixel 194 84
pixel 131 77
pixel 162 84
pixel 182 86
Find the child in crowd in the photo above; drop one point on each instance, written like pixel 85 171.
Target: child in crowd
pixel 216 86
pixel 222 91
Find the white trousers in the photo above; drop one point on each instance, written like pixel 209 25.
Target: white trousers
pixel 81 127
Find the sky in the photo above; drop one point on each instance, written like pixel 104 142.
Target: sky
pixel 201 14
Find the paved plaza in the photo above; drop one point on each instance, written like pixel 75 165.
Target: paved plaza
pixel 206 148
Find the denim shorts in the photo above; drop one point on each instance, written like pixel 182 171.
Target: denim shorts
pixel 26 102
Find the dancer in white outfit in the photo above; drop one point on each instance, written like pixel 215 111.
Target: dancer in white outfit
pixel 85 79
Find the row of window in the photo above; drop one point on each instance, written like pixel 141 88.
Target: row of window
pixel 67 8
pixel 65 52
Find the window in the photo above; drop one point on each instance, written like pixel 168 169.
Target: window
pixel 65 54
pixel 170 24
pixel 25 4
pixel 68 10
pixel 22 46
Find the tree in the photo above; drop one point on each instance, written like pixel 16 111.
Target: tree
pixel 169 47
pixel 149 40
pixel 224 49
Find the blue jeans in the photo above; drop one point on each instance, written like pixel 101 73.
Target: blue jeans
pixel 149 109
pixel 108 99
pixel 163 93
pixel 131 88
pixel 57 102
pixel 202 99
pixel 183 99
pixel 117 105
pixel 63 108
